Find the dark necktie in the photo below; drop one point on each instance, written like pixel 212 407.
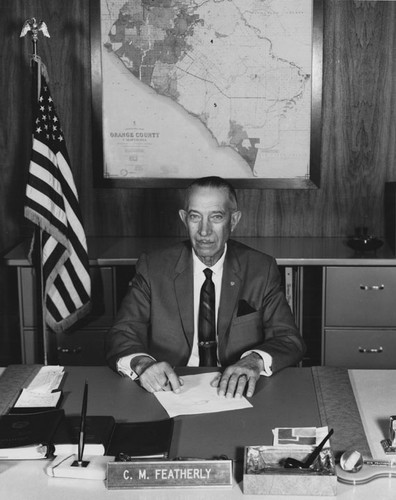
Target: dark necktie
pixel 206 323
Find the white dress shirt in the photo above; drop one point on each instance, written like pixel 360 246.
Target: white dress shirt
pixel 199 278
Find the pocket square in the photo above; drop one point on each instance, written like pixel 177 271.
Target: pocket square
pixel 244 308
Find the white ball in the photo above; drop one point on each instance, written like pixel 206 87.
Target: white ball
pixel 351 461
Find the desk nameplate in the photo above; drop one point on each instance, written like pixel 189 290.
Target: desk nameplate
pixel 169 474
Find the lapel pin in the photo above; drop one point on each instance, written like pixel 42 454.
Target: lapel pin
pixel 232 283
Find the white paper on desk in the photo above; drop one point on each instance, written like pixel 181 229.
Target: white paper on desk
pixel 39 392
pixel 198 396
pixel 33 399
pixel 47 379
pixel 29 452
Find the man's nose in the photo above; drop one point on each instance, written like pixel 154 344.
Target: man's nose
pixel 205 227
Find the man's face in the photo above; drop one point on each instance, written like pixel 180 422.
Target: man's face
pixel 210 218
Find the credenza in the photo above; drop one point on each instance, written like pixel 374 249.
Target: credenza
pixel 343 301
pixel 359 317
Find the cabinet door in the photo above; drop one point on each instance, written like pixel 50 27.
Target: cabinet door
pixel 360 296
pixel 81 348
pixel 360 348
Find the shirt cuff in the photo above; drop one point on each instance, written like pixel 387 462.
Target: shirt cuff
pixel 124 365
pixel 267 361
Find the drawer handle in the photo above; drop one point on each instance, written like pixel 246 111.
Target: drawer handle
pixel 372 287
pixel 67 350
pixel 363 350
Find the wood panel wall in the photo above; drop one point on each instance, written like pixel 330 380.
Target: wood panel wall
pixel 358 133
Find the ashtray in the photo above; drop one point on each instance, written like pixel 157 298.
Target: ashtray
pixel 365 244
pixel 264 473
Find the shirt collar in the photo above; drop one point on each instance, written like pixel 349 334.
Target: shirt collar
pixel 199 266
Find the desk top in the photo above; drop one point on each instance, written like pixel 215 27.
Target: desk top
pixel 286 399
pixel 111 251
pixel 207 435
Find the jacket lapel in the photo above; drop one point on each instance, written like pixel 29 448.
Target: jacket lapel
pixel 231 284
pixel 184 292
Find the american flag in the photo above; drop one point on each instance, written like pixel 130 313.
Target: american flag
pixel 52 204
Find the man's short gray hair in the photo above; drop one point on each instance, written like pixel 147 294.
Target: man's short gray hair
pixel 212 182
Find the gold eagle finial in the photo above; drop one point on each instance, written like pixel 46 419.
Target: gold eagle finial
pixel 34 26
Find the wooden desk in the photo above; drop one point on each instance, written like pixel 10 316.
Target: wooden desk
pixel 289 398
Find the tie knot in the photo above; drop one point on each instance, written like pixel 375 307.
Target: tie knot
pixel 208 273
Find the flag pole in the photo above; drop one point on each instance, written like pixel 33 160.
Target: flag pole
pixel 33 27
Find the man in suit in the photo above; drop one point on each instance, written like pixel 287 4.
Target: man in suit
pixel 158 325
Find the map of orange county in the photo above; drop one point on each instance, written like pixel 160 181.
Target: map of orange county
pixel 216 87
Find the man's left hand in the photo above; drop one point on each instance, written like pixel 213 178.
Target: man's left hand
pixel 240 376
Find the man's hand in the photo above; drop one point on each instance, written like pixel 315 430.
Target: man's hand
pixel 156 376
pixel 240 376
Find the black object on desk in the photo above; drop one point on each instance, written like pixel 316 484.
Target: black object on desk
pixel 21 435
pixel 98 432
pixel 81 440
pixel 292 463
pixel 141 440
pixel 124 440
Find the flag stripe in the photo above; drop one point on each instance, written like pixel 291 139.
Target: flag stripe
pixel 72 271
pixel 45 215
pixel 52 203
pixel 50 262
pixel 45 206
pixel 61 288
pixel 53 311
pixel 48 197
pixel 67 178
pixel 45 159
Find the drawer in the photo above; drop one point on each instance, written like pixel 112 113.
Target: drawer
pixel 360 349
pixel 360 296
pixel 82 348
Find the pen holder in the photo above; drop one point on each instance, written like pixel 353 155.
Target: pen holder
pixel 93 467
pixel 265 474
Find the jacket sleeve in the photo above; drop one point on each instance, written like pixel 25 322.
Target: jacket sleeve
pixel 282 339
pixel 129 334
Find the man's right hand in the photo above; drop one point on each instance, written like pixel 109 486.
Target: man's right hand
pixel 156 376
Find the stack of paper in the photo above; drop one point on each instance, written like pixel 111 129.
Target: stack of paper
pixel 43 390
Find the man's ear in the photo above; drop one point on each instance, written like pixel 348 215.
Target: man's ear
pixel 183 216
pixel 235 218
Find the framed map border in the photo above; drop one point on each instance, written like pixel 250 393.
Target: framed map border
pixel 312 181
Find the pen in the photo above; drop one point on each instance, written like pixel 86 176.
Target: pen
pixel 81 440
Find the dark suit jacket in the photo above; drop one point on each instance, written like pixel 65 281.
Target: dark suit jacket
pixel 156 316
